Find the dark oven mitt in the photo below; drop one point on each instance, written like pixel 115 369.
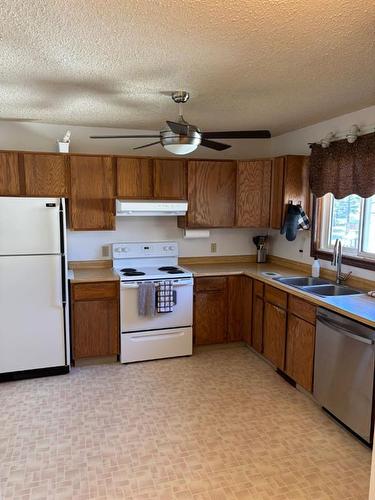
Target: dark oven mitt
pixel 291 222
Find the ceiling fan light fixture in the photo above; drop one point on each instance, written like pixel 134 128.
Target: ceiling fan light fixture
pixel 180 149
pixel 180 144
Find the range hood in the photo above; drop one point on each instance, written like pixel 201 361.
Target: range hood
pixel 150 208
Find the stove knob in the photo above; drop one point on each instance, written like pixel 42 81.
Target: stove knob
pixel 170 248
pixel 165 248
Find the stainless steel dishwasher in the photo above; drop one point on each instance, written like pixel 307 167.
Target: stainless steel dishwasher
pixel 344 370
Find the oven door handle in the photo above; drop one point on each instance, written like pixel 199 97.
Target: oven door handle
pixel 135 285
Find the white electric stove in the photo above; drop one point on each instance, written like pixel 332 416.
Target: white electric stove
pixel 165 334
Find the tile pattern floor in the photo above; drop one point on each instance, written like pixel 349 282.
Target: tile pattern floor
pixel 219 425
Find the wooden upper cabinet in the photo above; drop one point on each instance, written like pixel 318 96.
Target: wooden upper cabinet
pixel 46 174
pixel 211 194
pixel 170 179
pixel 277 193
pixel 135 178
pixel 10 182
pixel 92 193
pixel 253 193
pixel 290 182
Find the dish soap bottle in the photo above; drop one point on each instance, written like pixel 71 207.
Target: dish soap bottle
pixel 315 268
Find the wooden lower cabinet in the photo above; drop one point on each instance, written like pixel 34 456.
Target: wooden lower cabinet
pixel 222 309
pixel 257 327
pixel 240 289
pixel 95 319
pixel 300 351
pixel 274 334
pixel 210 317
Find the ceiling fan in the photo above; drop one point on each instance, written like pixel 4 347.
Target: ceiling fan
pixel 182 137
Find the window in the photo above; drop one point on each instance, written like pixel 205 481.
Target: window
pixel 352 220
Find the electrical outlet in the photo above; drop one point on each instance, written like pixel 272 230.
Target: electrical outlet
pixel 105 251
pixel 213 247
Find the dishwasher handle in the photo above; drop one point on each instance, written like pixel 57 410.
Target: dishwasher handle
pixel 340 329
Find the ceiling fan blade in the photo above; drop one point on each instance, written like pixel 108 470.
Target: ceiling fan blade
pixel 238 134
pixel 147 145
pixel 214 145
pixel 123 136
pixel 178 128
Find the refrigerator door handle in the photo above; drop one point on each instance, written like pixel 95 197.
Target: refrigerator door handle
pixel 63 280
pixel 61 220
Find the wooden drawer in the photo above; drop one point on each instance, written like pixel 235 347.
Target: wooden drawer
pixel 258 288
pixel 95 291
pixel 302 309
pixel 211 283
pixel 276 296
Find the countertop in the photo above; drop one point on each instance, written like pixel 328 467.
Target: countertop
pixel 358 307
pixel 92 275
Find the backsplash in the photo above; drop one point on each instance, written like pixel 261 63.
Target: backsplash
pixel 87 245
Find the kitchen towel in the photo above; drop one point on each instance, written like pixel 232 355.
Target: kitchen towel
pixel 165 300
pixel 303 221
pixel 146 299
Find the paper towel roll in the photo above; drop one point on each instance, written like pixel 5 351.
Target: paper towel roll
pixel 196 233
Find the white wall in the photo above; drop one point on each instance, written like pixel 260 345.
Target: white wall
pixel 297 143
pixel 89 245
pixel 32 136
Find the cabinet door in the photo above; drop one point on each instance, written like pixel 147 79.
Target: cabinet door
pixel 257 330
pixel 95 328
pixel 277 193
pixel 92 193
pixel 211 193
pixel 134 178
pixel 46 175
pixel 210 317
pixel 296 182
pixel 300 351
pixel 239 308
pixel 170 180
pixel 253 193
pixel 290 181
pixel 10 184
pixel 274 334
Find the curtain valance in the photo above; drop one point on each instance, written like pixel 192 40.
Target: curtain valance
pixel 344 168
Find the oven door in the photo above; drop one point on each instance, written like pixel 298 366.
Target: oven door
pixel 182 314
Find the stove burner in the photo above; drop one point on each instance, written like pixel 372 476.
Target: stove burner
pixel 176 271
pixel 168 268
pixel 133 273
pixel 128 270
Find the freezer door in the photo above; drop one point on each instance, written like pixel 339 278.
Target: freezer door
pixel 29 226
pixel 31 313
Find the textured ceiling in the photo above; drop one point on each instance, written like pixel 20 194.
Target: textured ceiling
pixel 278 64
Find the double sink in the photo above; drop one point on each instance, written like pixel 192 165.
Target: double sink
pixel 318 286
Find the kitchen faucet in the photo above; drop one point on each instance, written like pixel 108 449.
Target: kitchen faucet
pixel 337 260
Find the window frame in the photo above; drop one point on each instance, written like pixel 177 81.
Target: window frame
pixel 362 259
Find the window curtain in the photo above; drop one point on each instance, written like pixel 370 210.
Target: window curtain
pixel 343 168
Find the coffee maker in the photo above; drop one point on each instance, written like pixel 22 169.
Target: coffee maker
pixel 260 242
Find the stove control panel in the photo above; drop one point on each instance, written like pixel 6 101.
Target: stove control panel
pixel 141 250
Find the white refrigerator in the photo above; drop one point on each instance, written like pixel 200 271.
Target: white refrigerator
pixel 34 337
